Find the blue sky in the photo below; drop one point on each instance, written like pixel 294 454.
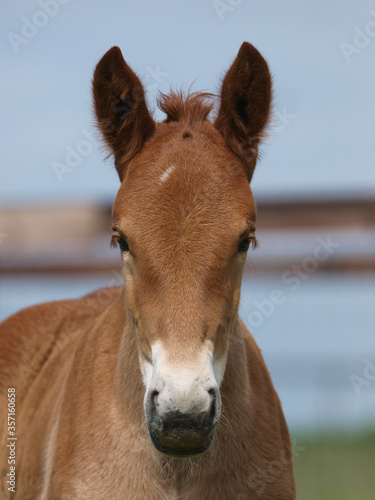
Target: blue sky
pixel 324 122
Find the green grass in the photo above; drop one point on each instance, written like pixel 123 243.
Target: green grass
pixel 336 467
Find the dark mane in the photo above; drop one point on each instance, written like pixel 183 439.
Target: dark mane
pixel 191 108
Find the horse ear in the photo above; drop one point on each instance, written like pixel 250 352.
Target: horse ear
pixel 245 105
pixel 120 107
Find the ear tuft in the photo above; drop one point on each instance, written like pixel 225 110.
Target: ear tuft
pixel 245 105
pixel 120 107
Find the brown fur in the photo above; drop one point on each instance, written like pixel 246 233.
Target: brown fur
pixel 75 364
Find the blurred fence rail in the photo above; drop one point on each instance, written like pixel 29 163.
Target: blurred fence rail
pixel 75 238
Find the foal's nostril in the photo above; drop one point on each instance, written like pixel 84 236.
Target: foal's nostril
pixel 212 392
pixel 212 413
pixel 153 396
pixel 152 413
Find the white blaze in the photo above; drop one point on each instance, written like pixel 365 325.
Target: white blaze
pixel 164 176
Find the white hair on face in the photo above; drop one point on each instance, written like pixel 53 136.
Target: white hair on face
pixel 164 176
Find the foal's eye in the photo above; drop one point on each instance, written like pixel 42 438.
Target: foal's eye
pixel 246 242
pixel 244 245
pixel 117 240
pixel 124 247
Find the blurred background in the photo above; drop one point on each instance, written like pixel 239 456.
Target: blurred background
pixel 309 290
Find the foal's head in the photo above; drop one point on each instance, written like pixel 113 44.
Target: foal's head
pixel 183 218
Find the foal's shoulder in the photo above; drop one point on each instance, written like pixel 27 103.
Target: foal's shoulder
pixel 38 327
pixel 48 313
pixel 251 346
pixel 258 371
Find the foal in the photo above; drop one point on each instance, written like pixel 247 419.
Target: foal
pixel 156 390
